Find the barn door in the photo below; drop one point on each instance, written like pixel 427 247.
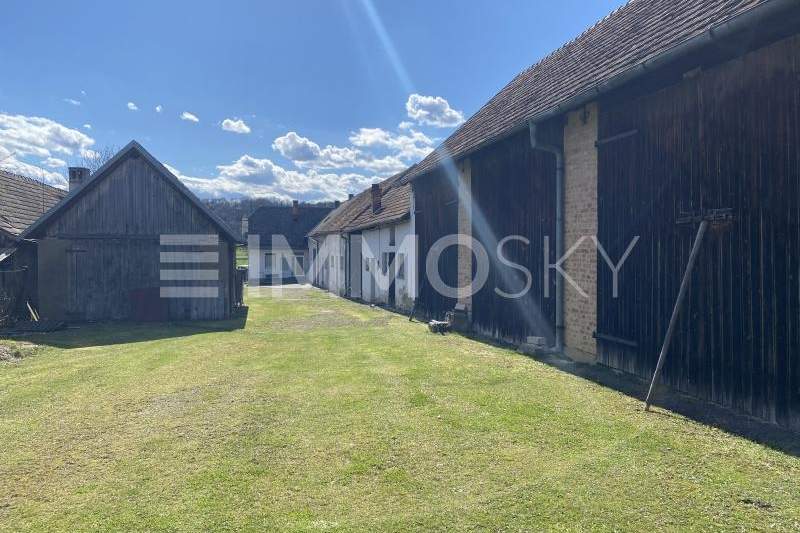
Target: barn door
pixel 76 297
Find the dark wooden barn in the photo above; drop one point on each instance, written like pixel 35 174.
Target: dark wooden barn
pixel 665 114
pixel 132 242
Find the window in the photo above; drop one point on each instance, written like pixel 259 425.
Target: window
pixel 401 266
pixel 391 236
pixel 341 263
pixel 366 264
pixel 385 261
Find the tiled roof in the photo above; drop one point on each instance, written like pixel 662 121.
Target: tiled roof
pixel 395 206
pixel 634 33
pixel 279 220
pixel 23 200
pixel 356 213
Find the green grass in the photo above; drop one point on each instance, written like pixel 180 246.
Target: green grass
pixel 325 415
pixel 241 256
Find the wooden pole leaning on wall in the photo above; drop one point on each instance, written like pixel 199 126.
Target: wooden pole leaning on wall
pixel 687 278
pixel 719 218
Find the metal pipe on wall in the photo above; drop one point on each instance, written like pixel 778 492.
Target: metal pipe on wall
pixel 558 152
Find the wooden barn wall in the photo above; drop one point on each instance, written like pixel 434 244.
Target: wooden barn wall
pixel 727 138
pixel 436 204
pixel 105 250
pixel 513 193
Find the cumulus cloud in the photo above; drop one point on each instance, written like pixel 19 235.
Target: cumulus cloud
pixel 54 162
pixel 307 154
pixel 433 111
pixel 132 106
pixel 191 117
pixel 221 187
pixel 235 126
pixel 159 108
pixel 411 146
pixel 38 137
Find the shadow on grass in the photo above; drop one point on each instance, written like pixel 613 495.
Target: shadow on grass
pixel 84 335
pixel 677 404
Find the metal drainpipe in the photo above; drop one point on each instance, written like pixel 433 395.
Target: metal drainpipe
pixel 559 155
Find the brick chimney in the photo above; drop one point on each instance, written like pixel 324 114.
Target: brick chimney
pixel 77 175
pixel 376 197
pixel 350 196
pixel 295 209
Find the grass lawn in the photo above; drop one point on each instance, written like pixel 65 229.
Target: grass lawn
pixel 322 414
pixel 241 256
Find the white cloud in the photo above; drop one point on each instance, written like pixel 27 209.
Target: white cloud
pixel 132 106
pixel 72 101
pixel 411 146
pixel 87 126
pixel 405 125
pixel 222 187
pixel 191 117
pixel 307 154
pixel 54 162
pixel 159 108
pixel 40 136
pixel 433 111
pixel 235 126
pixel 22 137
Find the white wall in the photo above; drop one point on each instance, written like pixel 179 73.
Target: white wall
pixel 376 274
pixel 329 266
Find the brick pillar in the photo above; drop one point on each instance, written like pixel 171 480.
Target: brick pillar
pixel 465 228
pixel 580 219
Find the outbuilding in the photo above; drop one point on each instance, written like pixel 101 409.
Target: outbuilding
pixel 132 242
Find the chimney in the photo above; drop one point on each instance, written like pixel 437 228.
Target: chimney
pixel 350 196
pixel 336 203
pixel 376 197
pixel 295 209
pixel 77 175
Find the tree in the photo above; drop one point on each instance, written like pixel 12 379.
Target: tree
pixel 94 159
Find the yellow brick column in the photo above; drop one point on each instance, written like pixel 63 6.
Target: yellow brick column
pixel 580 220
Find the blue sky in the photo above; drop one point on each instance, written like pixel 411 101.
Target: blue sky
pixel 321 97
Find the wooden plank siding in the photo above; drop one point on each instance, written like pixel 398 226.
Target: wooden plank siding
pixel 728 137
pixel 436 204
pixel 513 193
pixel 102 253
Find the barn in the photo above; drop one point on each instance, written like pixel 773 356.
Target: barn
pixel 131 242
pixel 612 153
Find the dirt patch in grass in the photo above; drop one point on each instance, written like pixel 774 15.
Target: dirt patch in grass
pixel 15 351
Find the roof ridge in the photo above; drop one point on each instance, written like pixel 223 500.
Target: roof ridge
pixel 32 180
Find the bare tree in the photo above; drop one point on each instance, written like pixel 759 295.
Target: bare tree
pixel 94 159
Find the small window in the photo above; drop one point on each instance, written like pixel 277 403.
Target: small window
pixel 366 265
pixel 401 266
pixel 385 260
pixel 341 263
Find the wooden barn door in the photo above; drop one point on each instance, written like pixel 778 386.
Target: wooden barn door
pixel 76 283
pixel 728 138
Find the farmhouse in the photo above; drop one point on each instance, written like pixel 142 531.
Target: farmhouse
pixel 22 201
pixel 132 242
pixel 282 239
pixel 365 248
pixel 617 151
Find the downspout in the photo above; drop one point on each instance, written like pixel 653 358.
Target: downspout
pixel 558 152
